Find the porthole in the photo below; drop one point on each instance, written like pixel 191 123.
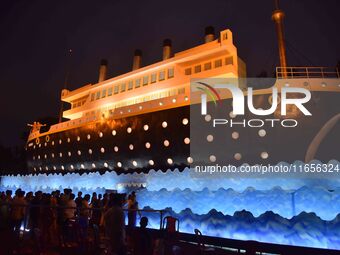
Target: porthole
pixel 72 167
pixel 102 150
pixel 164 124
pixel 146 127
pixel 116 149
pixel 88 137
pixel 79 152
pixel 129 130
pixel 100 134
pixel 160 103
pixel 62 167
pixel 187 140
pixel 60 141
pixel 131 146
pixel 60 154
pixel 235 135
pixel 45 156
pixel 238 156
pixel 147 145
pixel 186 98
pixel 46 168
pixel 78 138
pixel 68 140
pixel 90 151
pixel 166 143
pixel 134 163
pixel 82 166
pixel 170 161
pixel 151 163
pixel 264 155
pixel 210 138
pixel 185 121
pixel 93 165
pixel 52 155
pixel 262 132
pixel 174 100
pixel 47 138
pixel 212 158
pixel 52 143
pixel 69 154
pixel 190 160
pixel 140 107
pixel 45 144
pixel 54 168
pixel 114 132
pixel 106 165
pixel 38 156
pixel 119 164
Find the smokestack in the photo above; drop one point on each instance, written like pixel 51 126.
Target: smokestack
pixel 209 34
pixel 102 70
pixel 137 60
pixel 166 49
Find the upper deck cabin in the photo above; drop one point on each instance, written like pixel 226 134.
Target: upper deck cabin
pixel 159 86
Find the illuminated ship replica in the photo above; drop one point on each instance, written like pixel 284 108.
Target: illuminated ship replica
pixel 141 120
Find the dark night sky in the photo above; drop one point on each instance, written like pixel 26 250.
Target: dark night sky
pixel 36 34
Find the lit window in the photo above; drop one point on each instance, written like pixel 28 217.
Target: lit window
pixel 174 100
pixel 187 71
pixel 186 98
pixel 106 165
pixel 218 63
pixel 207 66
pixel 69 154
pixel 130 85
pixel 151 163
pixel 164 124
pixel 79 152
pixel 166 143
pixel 185 121
pixel 53 143
pixel 137 83
pixel 54 168
pixel 102 150
pixel 153 77
pixel 116 89
pixel 134 163
pixel 100 134
pixel 82 166
pixel 52 155
pixel 187 140
pixel 122 87
pixel 119 164
pixel 104 93
pixel 212 158
pixel 147 145
pixel 114 132
pixel 60 141
pixel 46 168
pixel 61 154
pixel 170 161
pixel 146 127
pixel 38 156
pixel 145 80
pixel 98 95
pixel 140 107
pixel 45 144
pixel 78 138
pixel 62 167
pixel 129 130
pixel 160 103
pixel 229 61
pixel 109 92
pixel 93 165
pixel 131 146
pixel 68 140
pixel 90 151
pixel 45 156
pixel 72 167
pixel 116 149
pixel 88 137
pixel 198 69
pixel 170 73
pixel 161 75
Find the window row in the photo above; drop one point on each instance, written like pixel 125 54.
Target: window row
pixel 133 84
pixel 208 65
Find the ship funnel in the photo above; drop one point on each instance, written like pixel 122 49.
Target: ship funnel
pixel 102 70
pixel 209 34
pixel 166 49
pixel 137 60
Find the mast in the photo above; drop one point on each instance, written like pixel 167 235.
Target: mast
pixel 278 16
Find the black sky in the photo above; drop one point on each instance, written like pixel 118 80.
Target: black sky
pixel 36 35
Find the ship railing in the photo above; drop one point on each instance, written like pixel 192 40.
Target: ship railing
pixel 307 72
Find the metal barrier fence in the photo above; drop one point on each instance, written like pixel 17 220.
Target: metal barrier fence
pixel 307 72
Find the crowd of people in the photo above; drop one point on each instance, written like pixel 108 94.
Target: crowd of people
pixel 51 214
